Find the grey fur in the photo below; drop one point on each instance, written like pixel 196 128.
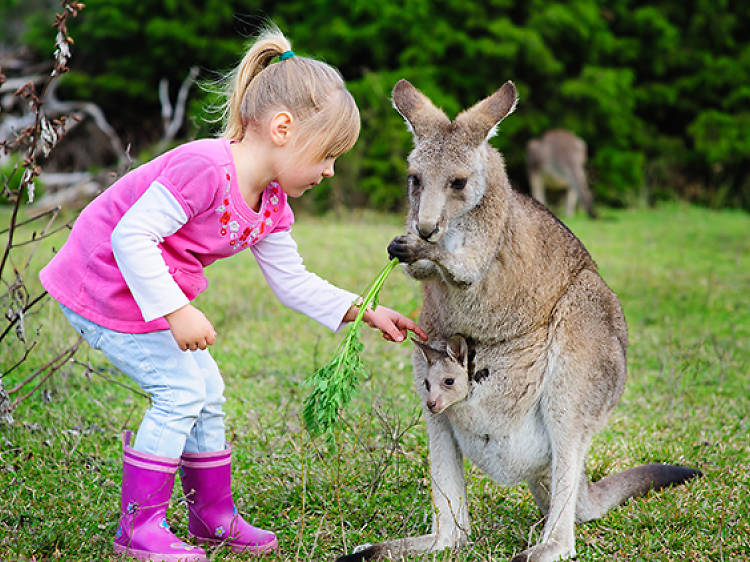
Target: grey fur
pixel 501 270
pixel 557 161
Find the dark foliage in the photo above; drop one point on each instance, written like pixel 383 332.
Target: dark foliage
pixel 659 90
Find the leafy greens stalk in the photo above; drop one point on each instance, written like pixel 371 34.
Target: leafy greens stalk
pixel 333 384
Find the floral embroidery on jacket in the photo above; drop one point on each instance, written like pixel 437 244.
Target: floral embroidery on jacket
pixel 230 224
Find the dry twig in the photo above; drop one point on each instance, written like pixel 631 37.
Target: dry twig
pixel 36 136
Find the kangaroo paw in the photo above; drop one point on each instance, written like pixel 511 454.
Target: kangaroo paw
pixel 408 248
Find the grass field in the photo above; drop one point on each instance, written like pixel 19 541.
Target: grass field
pixel 682 275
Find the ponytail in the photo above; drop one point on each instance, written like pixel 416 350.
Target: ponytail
pixel 314 92
pixel 270 44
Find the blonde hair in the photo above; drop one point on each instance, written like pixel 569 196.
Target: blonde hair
pixel 313 92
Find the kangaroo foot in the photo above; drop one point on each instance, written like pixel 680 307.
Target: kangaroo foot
pixel 545 552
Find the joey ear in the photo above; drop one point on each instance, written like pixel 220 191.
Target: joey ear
pixel 458 349
pixel 430 354
pixel 482 119
pixel 420 113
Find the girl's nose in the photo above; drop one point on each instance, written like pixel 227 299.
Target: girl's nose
pixel 328 172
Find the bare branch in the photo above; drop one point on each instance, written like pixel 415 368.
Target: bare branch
pixel 71 194
pixel 53 366
pixel 5 406
pixel 44 367
pixel 173 119
pixel 34 238
pixel 20 361
pixel 166 105
pixel 12 322
pixel 13 84
pixel 32 219
pixel 54 106
pixel 35 132
pixel 91 369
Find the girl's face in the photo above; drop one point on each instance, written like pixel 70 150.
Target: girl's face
pixel 292 164
pixel 298 174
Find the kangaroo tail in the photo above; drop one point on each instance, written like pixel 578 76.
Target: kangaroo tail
pixel 596 498
pixel 367 553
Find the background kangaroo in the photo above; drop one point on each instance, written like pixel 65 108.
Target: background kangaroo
pixel 500 269
pixel 557 161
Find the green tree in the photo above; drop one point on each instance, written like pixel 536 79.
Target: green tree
pixel 659 90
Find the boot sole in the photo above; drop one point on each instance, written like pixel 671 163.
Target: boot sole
pixel 258 550
pixel 146 555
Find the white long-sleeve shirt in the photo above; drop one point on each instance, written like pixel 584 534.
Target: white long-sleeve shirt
pixel 139 250
pixel 157 214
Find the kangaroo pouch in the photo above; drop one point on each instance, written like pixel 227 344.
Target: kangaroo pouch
pixel 508 450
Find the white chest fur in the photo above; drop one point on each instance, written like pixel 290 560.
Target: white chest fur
pixel 509 448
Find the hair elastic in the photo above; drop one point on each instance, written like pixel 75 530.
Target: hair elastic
pixel 286 55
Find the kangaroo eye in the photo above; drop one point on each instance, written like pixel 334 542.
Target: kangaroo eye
pixel 427 384
pixel 448 382
pixel 458 183
pixel 414 181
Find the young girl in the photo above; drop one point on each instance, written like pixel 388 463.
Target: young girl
pixel 134 261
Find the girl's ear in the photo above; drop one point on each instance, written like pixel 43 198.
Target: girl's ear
pixel 280 128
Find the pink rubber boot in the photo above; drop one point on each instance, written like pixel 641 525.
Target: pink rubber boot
pixel 143 533
pixel 206 481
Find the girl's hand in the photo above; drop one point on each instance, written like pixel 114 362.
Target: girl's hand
pixel 190 328
pixel 393 325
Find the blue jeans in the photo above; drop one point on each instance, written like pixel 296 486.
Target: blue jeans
pixel 186 388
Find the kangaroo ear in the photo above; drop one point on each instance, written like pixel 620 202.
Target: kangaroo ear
pixel 482 119
pixel 419 112
pixel 430 354
pixel 457 349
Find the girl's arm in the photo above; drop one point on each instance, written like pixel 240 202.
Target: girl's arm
pixel 297 288
pixel 135 239
pixel 305 292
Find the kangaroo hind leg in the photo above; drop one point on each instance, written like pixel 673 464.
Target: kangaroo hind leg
pixel 539 487
pixel 558 540
pixel 450 524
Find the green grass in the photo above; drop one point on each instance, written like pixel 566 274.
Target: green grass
pixel 683 277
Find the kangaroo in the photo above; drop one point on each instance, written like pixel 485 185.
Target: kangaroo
pixel 500 269
pixel 447 378
pixel 557 161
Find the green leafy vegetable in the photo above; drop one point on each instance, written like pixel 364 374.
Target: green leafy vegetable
pixel 334 383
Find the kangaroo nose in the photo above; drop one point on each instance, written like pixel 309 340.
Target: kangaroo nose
pixel 426 232
pixel 430 405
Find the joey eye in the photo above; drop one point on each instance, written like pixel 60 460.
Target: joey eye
pixel 448 382
pixel 427 384
pixel 414 181
pixel 458 183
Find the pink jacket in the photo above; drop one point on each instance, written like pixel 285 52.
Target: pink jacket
pixel 84 276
